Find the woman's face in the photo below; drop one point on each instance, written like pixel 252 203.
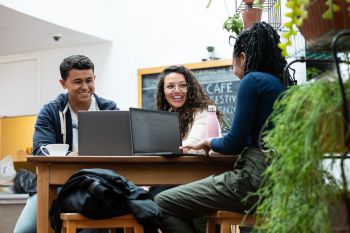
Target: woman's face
pixel 175 90
pixel 238 65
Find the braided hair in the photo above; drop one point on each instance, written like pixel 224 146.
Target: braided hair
pixel 260 45
pixel 197 99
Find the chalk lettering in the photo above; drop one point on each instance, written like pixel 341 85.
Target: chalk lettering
pixel 214 88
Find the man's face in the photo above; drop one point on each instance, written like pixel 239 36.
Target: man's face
pixel 80 85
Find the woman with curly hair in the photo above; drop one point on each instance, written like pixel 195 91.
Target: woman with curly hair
pixel 179 91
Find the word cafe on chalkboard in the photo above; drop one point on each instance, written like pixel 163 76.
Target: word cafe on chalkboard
pixel 216 78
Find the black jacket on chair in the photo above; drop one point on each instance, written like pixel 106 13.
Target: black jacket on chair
pixel 100 193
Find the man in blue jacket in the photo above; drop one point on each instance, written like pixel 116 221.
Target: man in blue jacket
pixel 57 121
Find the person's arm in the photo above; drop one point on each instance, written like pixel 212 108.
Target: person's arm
pixel 202 145
pixel 247 100
pixel 45 130
pixel 198 131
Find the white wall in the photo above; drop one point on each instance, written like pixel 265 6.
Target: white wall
pixel 157 32
pixel 48 85
pixel 18 78
pixel 144 34
pixel 93 17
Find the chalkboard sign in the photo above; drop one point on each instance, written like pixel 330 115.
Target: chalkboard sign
pixel 216 78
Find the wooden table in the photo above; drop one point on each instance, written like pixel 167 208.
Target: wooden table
pixel 53 171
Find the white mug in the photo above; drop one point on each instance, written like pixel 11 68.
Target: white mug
pixel 55 149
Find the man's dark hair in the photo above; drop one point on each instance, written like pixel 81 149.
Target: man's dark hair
pixel 78 62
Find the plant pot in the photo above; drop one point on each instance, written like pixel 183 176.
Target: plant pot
pixel 251 16
pixel 339 216
pixel 319 32
pixel 250 2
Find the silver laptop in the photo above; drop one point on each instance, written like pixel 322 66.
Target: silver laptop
pixel 155 132
pixel 104 133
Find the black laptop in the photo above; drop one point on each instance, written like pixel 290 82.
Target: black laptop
pixel 104 133
pixel 155 132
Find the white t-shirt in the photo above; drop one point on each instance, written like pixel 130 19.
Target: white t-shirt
pixel 74 115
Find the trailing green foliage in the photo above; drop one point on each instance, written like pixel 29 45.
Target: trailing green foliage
pixel 331 8
pixel 312 72
pixel 298 190
pixel 294 18
pixel 234 24
pixel 297 12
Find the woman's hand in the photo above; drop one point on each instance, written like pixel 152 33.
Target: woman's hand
pixel 202 145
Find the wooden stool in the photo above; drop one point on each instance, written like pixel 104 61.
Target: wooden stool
pixel 74 221
pixel 226 219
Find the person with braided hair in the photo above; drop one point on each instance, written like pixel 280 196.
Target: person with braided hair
pixel 258 62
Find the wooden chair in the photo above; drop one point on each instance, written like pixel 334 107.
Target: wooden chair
pixel 74 221
pixel 226 219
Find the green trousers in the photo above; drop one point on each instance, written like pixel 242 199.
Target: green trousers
pixel 184 207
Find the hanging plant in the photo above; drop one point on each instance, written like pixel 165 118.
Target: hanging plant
pixel 250 15
pixel 234 24
pixel 298 12
pixel 298 191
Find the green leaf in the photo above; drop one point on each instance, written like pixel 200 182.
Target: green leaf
pixel 233 24
pixel 328 15
pixel 209 2
pixel 297 190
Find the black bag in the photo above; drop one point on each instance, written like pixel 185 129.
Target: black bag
pixel 25 182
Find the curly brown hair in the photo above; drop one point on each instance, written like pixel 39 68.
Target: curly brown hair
pixel 197 99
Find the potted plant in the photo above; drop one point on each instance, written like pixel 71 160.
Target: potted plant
pixel 234 24
pixel 252 12
pixel 245 1
pixel 251 15
pixel 325 19
pixel 299 194
pixel 316 19
pixel 250 2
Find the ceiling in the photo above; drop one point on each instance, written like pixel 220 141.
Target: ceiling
pixel 20 33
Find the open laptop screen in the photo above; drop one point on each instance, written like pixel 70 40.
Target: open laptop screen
pixel 104 133
pixel 155 132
